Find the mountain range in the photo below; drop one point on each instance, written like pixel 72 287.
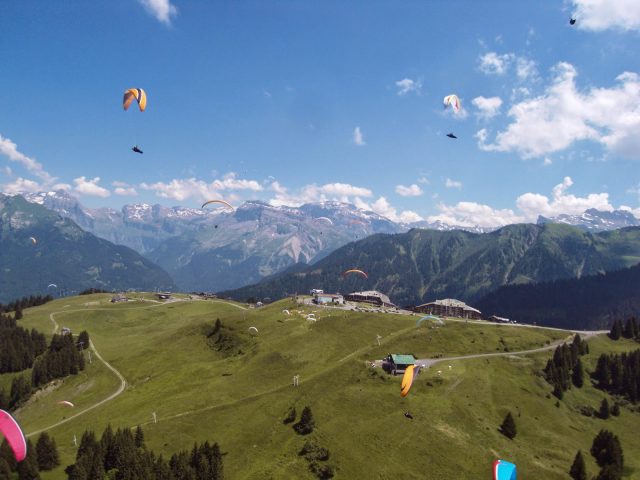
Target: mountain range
pixel 213 250
pixel 38 247
pixel 424 265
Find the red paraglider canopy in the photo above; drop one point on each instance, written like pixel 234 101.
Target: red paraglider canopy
pixel 13 434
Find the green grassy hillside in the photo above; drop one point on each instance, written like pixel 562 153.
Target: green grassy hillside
pixel 238 395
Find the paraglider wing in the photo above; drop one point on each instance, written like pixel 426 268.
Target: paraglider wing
pixel 451 135
pixel 13 434
pixel 324 219
pixel 138 94
pixel 33 240
pixel 226 204
pixel 409 376
pixel 572 21
pixel 354 270
pixel 428 317
pixel 66 403
pixel 52 285
pixel 503 470
pixel 453 101
pixel 254 329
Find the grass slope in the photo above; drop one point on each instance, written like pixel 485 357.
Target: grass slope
pixel 162 352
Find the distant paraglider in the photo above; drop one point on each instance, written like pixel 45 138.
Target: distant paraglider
pixel 409 376
pixel 136 149
pixel 33 240
pixel 504 470
pixel 13 435
pixel 572 21
pixel 66 403
pixel 452 101
pixel 451 135
pixel 52 285
pixel 429 317
pixel 354 270
pixel 221 202
pixel 323 219
pixel 254 329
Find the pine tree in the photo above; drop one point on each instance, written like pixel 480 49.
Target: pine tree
pixel 306 423
pixel 291 416
pixel 604 409
pixel 508 427
pixel 577 377
pixel 46 452
pixel 616 330
pixel 139 438
pixel 18 314
pixel 557 391
pixel 615 410
pixel 83 340
pixel 578 469
pixel 5 470
pixel 28 468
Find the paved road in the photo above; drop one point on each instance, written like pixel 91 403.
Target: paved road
pixel 428 362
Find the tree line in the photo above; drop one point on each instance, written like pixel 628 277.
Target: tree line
pixel 62 358
pixel 607 452
pixel 630 329
pixel 123 455
pixel 565 367
pixel 43 457
pixel 619 374
pixel 24 302
pixel 18 347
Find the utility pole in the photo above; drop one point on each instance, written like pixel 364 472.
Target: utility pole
pixel 296 380
pixel 378 337
pixel 155 419
pixel 75 441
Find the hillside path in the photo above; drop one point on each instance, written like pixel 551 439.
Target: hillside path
pixel 123 381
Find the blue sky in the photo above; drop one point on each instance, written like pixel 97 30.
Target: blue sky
pixel 298 101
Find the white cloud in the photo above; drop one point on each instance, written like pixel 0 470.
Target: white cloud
pixel 90 187
pixel 412 190
pixel 563 115
pixel 487 107
pixel 407 85
pixel 603 14
pixel 162 10
pixel 547 161
pixel 342 192
pixel 358 138
pixel 21 185
pixel 526 68
pixel 534 204
pixel 382 207
pixel 471 214
pixel 183 188
pixel 493 64
pixel 452 183
pixel 126 192
pixel 10 150
pixel 423 180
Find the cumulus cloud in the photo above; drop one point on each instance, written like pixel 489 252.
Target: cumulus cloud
pixel 529 207
pixel 534 204
pixel 124 189
pixel 412 190
pixel 493 64
pixel 600 15
pixel 452 183
pixel 547 161
pixel 10 150
pixel 382 207
pixel 21 185
pixel 406 85
pixel 183 188
pixel 358 138
pixel 563 115
pixel 526 69
pixel 342 192
pixel 90 187
pixel 162 10
pixel 472 214
pixel 487 107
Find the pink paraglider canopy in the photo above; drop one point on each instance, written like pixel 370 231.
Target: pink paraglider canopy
pixel 11 431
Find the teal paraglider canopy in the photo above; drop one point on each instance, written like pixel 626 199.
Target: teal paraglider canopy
pixel 430 317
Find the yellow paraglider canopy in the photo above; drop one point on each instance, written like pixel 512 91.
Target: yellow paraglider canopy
pixel 137 93
pixel 409 376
